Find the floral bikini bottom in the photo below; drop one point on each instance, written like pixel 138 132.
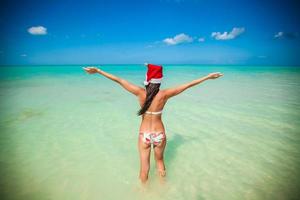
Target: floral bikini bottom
pixel 152 137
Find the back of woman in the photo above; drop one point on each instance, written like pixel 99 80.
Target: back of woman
pixel 153 122
pixel 152 101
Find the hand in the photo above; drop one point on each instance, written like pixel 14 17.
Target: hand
pixel 91 70
pixel 214 75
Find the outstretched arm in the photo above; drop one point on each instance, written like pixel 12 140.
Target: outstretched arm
pixel 134 89
pixel 177 90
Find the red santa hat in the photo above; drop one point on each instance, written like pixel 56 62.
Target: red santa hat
pixel 154 74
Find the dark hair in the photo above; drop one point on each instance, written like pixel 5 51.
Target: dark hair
pixel 151 90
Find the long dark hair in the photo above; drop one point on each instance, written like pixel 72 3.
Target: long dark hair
pixel 151 90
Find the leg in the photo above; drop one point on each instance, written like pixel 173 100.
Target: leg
pixel 144 151
pixel 159 157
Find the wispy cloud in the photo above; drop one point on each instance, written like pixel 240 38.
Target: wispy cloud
pixel 202 39
pixel 23 55
pixel 289 35
pixel 37 30
pixel 228 35
pixel 149 46
pixel 180 38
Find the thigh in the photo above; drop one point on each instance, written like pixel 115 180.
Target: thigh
pixel 159 149
pixel 144 151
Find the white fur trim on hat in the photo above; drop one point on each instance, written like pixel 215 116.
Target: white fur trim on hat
pixel 153 80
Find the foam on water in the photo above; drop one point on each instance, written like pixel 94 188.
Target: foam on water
pixel 69 135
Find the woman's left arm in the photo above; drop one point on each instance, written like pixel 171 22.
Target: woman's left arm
pixel 134 89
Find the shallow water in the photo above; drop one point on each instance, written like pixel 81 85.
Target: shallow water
pixel 69 135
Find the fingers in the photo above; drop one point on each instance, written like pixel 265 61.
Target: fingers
pixel 87 70
pixel 218 73
pixel 215 75
pixel 90 70
pixel 89 67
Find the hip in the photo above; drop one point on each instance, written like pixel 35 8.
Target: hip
pixel 152 137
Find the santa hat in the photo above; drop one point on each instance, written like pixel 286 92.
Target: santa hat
pixel 154 74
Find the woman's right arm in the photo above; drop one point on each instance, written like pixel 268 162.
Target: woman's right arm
pixel 130 87
pixel 177 90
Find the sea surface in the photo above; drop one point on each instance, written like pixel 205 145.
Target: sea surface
pixel 69 135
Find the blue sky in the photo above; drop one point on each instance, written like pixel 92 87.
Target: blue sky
pixel 157 31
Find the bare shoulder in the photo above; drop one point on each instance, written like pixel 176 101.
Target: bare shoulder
pixel 142 94
pixel 166 92
pixel 163 93
pixel 142 90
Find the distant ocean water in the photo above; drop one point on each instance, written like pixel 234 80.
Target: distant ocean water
pixel 65 134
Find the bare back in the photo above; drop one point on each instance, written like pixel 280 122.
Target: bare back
pixel 153 122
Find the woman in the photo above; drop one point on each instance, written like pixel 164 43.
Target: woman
pixel 152 101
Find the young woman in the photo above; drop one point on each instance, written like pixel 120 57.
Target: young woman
pixel 152 101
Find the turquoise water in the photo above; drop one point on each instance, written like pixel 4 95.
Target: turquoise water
pixel 69 135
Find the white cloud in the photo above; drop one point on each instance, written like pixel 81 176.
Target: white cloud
pixel 278 35
pixel 180 38
pixel 228 36
pixel 201 39
pixel 37 30
pixel 288 35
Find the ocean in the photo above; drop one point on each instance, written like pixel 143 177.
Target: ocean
pixel 66 134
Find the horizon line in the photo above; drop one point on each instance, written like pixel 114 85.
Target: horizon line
pixel 2 65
